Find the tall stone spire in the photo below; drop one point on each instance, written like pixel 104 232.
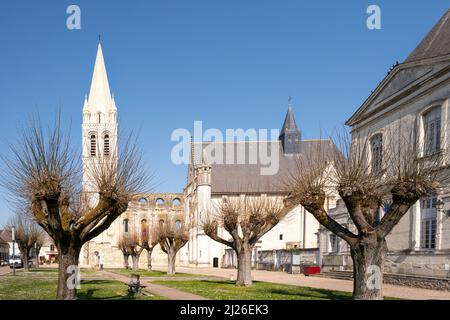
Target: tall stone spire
pixel 100 99
pixel 290 135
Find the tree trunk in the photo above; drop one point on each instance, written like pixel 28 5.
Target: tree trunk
pixel 135 259
pixel 125 261
pixel 244 274
pixel 171 257
pixel 25 254
pixel 368 260
pixel 68 273
pixel 149 259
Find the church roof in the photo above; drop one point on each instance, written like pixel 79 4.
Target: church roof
pixel 3 243
pixel 6 235
pixel 100 99
pixel 289 122
pixel 436 42
pixel 237 178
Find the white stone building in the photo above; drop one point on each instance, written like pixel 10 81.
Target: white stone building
pixel 207 183
pixel 210 180
pixel 100 144
pixel 415 95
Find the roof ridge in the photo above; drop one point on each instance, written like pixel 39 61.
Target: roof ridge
pixel 436 41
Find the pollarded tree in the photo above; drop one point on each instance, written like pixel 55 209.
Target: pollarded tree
pixel 246 219
pixel 124 247
pixel 134 248
pixel 149 240
pixel 44 171
pixel 27 233
pixel 172 236
pixel 399 175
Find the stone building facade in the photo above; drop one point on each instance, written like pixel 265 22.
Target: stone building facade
pixel 99 144
pixel 210 180
pixel 413 98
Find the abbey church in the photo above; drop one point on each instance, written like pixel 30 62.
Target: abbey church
pixel 415 92
pixel 207 184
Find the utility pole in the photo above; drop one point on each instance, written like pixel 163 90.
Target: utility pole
pixel 36 255
pixel 13 236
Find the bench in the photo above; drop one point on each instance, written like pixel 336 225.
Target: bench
pixel 134 286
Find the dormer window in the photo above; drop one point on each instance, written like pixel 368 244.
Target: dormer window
pixel 432 131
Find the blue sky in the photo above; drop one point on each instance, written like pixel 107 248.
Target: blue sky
pixel 231 64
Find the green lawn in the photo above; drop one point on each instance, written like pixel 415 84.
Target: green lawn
pixel 40 284
pixel 146 273
pixel 227 290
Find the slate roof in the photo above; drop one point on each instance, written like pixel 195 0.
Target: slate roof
pixel 3 243
pixel 6 235
pixel 241 178
pixel 289 122
pixel 436 42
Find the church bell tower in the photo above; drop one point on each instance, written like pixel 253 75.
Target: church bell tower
pixel 290 135
pixel 99 127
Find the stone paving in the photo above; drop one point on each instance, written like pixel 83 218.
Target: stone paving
pixel 316 282
pixel 5 270
pixel 156 289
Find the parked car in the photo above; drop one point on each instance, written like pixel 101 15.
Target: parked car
pixel 16 261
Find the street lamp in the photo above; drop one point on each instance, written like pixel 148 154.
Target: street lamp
pixel 36 256
pixel 13 237
pixel 440 204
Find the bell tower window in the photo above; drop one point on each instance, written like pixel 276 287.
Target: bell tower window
pixel 93 145
pixel 106 145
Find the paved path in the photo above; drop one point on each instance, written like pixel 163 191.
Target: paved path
pixel 5 270
pixel 157 289
pixel 316 282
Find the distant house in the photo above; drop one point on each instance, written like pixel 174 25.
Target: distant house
pixel 48 250
pixel 6 236
pixel 4 250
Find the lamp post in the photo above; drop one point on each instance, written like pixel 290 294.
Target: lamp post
pixel 36 256
pixel 440 204
pixel 439 207
pixel 13 236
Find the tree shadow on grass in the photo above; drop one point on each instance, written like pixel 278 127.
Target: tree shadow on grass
pixel 311 293
pixel 89 293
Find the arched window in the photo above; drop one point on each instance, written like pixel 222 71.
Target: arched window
pixel 125 225
pixel 93 145
pixel 159 202
pixel 144 229
pixel 177 225
pixel 376 146
pixel 106 145
pixel 142 201
pixel 176 202
pixel 432 130
pixel 161 223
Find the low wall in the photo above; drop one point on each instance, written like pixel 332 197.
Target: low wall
pixel 415 263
